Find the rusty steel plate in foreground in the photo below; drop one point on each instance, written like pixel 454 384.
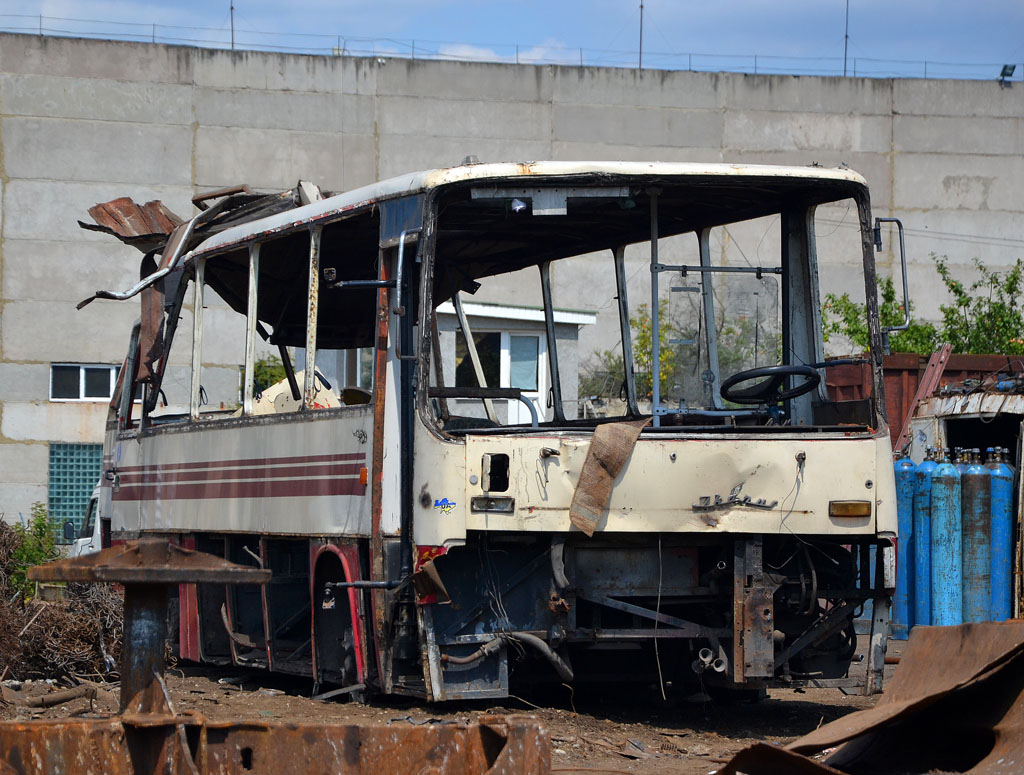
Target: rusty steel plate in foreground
pixel 498 745
pixel 149 561
pixel 955 704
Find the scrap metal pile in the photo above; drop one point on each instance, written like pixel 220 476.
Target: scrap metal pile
pixel 76 636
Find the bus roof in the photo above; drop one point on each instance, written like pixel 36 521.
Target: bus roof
pixel 426 180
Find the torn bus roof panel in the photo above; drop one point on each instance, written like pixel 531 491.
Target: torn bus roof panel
pixel 152 227
pixel 143 226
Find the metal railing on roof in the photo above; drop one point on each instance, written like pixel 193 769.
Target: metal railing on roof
pixel 507 53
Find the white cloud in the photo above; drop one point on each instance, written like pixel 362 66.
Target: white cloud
pixel 469 53
pixel 551 51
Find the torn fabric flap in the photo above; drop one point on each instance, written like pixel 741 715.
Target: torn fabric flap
pixel 610 447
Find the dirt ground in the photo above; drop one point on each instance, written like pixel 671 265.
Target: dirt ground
pixel 610 733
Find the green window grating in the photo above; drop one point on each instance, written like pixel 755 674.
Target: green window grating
pixel 74 471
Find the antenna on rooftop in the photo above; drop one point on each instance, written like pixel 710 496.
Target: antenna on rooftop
pixel 846 39
pixel 640 60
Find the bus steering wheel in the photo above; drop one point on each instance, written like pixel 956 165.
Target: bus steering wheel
pixel 767 391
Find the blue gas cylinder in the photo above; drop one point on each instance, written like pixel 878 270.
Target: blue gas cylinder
pixel 903 602
pixel 960 460
pixel 946 545
pixel 975 487
pixel 1001 499
pixel 922 533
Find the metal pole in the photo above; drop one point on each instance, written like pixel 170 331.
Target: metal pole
pixel 655 323
pixel 142 652
pixel 232 25
pixel 846 38
pixel 640 59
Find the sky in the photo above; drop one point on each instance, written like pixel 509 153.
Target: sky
pixel 956 38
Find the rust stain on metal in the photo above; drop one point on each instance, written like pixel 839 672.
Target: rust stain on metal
pixel 133 223
pixel 153 561
pixel 187 744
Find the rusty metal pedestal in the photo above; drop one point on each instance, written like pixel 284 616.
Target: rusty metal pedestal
pixel 147 568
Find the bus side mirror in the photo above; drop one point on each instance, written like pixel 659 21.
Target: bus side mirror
pixel 69 531
pixel 886 330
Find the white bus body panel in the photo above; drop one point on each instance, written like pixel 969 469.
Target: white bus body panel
pixel 278 476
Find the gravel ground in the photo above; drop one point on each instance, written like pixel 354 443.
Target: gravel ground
pixel 639 733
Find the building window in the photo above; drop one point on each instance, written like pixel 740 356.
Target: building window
pixel 488 348
pixel 74 471
pixel 508 361
pixel 82 382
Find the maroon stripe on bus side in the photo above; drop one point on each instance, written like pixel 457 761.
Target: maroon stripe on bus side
pixel 288 488
pixel 159 476
pixel 256 461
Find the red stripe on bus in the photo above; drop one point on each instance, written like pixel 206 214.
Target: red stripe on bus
pixel 159 476
pixel 287 488
pixel 255 461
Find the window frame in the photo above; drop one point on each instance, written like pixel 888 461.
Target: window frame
pixel 114 369
pixel 505 335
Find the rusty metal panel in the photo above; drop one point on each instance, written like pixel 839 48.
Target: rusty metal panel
pixel 753 614
pixel 955 704
pixel 148 562
pixel 188 745
pixel 144 226
pixel 903 373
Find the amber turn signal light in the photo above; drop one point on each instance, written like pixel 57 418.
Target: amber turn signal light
pixel 849 508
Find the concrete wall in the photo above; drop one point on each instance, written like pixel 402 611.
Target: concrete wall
pixel 86 121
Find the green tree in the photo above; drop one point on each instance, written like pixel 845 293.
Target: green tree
pixel 986 316
pixel 604 373
pixel 267 371
pixel 845 317
pixel 643 347
pixel 983 317
pixel 36 545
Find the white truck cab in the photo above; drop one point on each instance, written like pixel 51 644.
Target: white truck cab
pixel 90 536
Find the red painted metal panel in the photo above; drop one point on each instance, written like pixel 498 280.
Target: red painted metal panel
pixel 903 372
pixel 188 614
pixel 349 557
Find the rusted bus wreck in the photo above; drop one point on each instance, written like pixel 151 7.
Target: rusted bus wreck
pixel 439 518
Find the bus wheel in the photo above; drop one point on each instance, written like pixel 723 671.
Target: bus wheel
pixel 333 636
